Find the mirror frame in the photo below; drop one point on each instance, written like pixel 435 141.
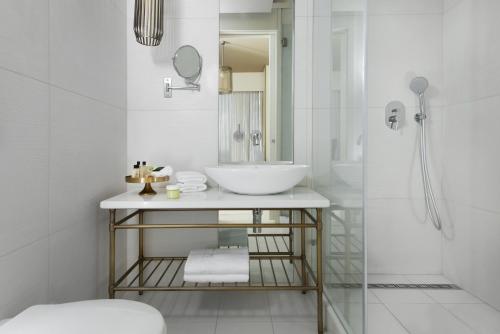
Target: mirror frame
pixel 176 57
pixel 292 161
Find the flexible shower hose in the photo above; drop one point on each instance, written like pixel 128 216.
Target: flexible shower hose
pixel 430 200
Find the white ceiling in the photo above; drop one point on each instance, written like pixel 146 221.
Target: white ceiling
pixel 246 53
pixel 246 6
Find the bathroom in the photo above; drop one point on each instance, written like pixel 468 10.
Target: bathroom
pixel 81 101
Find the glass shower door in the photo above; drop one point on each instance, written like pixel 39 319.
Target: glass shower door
pixel 337 135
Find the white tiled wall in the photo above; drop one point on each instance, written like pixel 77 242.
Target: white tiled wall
pixel 62 139
pixel 181 131
pixel 453 44
pixel 404 40
pixel 471 162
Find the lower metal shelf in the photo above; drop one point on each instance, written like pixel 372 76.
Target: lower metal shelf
pixel 166 274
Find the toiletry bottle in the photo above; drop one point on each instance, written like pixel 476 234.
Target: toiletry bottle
pixel 136 171
pixel 143 169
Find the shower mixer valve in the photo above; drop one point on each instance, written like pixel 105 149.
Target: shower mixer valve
pixel 395 115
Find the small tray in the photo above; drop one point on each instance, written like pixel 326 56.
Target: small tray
pixel 148 190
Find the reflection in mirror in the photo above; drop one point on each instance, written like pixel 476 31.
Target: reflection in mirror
pixel 255 88
pixel 187 63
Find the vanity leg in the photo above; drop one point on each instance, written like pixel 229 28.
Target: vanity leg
pixel 111 276
pixel 290 233
pixel 141 252
pixel 303 249
pixel 319 266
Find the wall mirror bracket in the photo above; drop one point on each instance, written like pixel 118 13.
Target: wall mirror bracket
pixel 188 65
pixel 168 88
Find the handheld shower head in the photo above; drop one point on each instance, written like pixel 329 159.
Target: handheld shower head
pixel 418 85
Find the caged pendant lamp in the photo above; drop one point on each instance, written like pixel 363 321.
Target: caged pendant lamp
pixel 148 22
pixel 225 75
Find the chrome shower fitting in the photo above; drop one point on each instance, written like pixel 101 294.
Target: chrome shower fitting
pixel 418 86
pixel 394 115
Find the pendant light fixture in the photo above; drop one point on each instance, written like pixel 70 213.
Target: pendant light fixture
pixel 148 22
pixel 225 75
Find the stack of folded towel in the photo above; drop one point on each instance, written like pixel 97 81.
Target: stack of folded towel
pixel 226 265
pixel 190 182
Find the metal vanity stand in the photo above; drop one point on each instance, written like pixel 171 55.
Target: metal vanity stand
pixel 274 262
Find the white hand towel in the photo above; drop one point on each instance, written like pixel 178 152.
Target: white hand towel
pixel 216 278
pixel 227 261
pixel 190 177
pixel 192 188
pixel 166 171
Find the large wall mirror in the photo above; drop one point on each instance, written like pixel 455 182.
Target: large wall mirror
pixel 256 81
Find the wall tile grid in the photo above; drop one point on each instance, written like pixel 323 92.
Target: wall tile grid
pixel 404 40
pixel 471 136
pixel 56 129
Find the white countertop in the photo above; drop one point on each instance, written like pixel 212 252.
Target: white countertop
pixel 216 198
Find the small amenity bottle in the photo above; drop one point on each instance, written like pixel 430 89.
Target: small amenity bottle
pixel 143 170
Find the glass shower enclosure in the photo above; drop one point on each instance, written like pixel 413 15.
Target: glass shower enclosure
pixel 338 114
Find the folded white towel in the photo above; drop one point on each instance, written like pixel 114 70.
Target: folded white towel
pixel 192 187
pixel 226 261
pixel 166 171
pixel 190 177
pixel 216 278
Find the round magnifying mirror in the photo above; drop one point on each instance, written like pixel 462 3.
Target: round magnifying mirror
pixel 187 63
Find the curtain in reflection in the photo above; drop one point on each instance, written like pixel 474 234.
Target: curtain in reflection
pixel 241 110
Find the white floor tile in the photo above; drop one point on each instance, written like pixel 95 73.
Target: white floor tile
pixel 245 306
pixel 342 295
pixel 292 306
pixel 402 296
pixel 372 298
pixel 480 317
pixel 387 279
pixel 231 327
pixel 427 279
pixel 381 321
pixel 194 306
pixel 452 297
pixel 428 319
pixel 189 327
pixel 309 327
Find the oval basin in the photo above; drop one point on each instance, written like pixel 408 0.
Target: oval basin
pixel 350 172
pixel 257 179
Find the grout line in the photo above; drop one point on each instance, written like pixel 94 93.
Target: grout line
pixel 456 317
pixel 396 318
pixel 270 313
pixel 15 250
pixel 404 13
pixel 474 100
pixel 48 83
pixel 49 153
pixel 167 109
pixel 456 4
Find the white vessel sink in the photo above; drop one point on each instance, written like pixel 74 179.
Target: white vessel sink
pixel 350 172
pixel 257 179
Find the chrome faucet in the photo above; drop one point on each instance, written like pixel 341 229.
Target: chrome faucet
pixel 256 137
pixel 393 121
